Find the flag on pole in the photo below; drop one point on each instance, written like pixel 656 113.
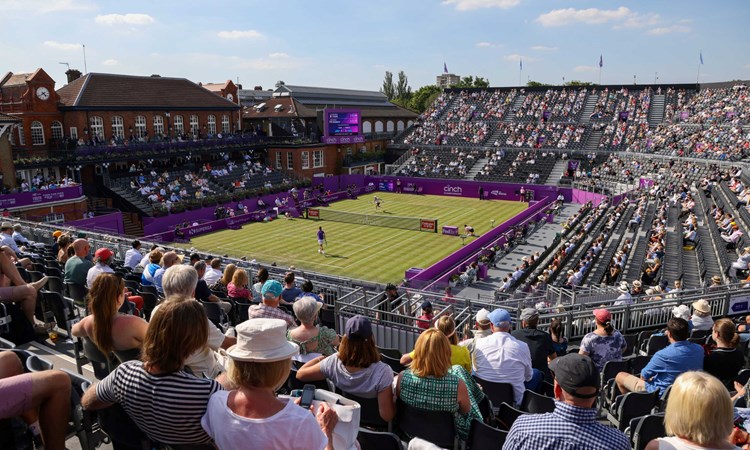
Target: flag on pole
pixel 701 56
pixel 445 67
pixel 601 61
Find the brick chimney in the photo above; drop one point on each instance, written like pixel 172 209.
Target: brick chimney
pixel 73 75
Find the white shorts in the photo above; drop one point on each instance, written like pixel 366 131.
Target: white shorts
pixel 320 241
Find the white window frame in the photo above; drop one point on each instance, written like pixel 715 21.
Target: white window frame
pixel 74 133
pixel 318 159
pixel 158 125
pixel 195 126
pixel 96 126
pixel 37 133
pixel 179 125
pixel 21 137
pixel 57 130
pixel 211 124
pixel 290 160
pixel 225 124
pixel 118 127
pixel 305 160
pixel 278 160
pixel 141 129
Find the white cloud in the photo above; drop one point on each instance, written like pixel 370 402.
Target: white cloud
pixel 622 17
pixel 484 44
pixel 584 69
pixel 278 55
pixel 515 57
pixel 468 5
pixel 542 48
pixel 746 66
pixel 110 62
pixel 61 46
pixel 666 30
pixel 240 34
pixel 46 6
pixel 124 19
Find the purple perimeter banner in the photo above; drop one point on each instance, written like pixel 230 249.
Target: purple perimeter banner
pixel 25 199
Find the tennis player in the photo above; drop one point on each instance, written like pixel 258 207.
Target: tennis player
pixel 377 200
pixel 321 240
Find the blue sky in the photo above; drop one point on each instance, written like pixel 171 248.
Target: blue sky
pixel 350 44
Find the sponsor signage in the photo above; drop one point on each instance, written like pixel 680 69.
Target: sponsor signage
pixel 40 197
pixel 428 225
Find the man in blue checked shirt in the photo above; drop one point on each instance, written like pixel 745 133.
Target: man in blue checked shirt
pixel 573 425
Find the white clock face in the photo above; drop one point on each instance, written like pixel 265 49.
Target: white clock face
pixel 42 93
pixel 230 97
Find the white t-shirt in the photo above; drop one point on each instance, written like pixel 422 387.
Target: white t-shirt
pixel 292 428
pixel 675 443
pixel 95 271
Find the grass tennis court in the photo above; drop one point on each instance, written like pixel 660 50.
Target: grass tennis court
pixel 361 251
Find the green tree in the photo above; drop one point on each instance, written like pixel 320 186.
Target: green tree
pixel 423 97
pixel 536 84
pixel 388 87
pixel 471 82
pixel 403 90
pixel 579 83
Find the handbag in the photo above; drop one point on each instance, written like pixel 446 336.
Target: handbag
pixel 348 411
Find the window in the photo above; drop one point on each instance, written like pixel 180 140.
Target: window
pixel 400 125
pixel 225 124
pixel 211 124
pixel 140 126
pixel 318 159
pixel 378 127
pixel 118 127
pixel 57 131
pixel 389 126
pixel 74 132
pixel 37 133
pixel 305 160
pixel 179 126
pixel 96 127
pixel 348 151
pixel 158 126
pixel 290 160
pixel 366 127
pixel 278 160
pixel 21 137
pixel 194 125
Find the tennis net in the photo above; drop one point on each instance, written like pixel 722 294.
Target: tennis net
pixel 376 220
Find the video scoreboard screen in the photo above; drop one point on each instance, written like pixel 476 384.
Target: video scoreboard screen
pixel 343 126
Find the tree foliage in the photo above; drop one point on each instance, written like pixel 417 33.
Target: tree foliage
pixel 533 83
pixel 403 90
pixel 423 98
pixel 579 83
pixel 389 89
pixel 471 82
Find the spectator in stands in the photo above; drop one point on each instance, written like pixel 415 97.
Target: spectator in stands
pixel 429 383
pixel 667 364
pixel 539 342
pixel 168 260
pixel 481 330
pixel 252 414
pixel 105 326
pixel 213 273
pixel 573 424
pixel 226 278
pixel 16 290
pixel 740 264
pixel 313 340
pixel 291 291
pixel 103 258
pixel 6 233
pixel 699 415
pixel 179 285
pixel 18 235
pixel 424 321
pixel 460 356
pixel 36 395
pixel 269 308
pixel 501 358
pixel 203 293
pixel 176 399
pixel 557 333
pixel 725 359
pixel 702 319
pixel 356 369
pixel 733 237
pixel 307 291
pixel 604 343
pixel 625 298
pixel 237 288
pixel 716 283
pixel 63 244
pixel 260 278
pixel 147 277
pixel 77 267
pixel 133 255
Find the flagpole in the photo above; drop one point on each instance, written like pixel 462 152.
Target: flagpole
pixel 698 80
pixel 600 75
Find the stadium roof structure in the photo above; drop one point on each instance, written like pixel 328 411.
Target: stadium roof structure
pixel 103 91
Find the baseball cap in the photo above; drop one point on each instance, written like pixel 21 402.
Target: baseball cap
pixel 271 289
pixel 482 316
pixel 574 371
pixel 103 253
pixel 602 315
pixel 426 305
pixel 529 313
pixel 499 315
pixel 57 234
pixel 358 326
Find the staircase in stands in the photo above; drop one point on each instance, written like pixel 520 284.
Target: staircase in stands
pixel 656 113
pixel 588 108
pixel 554 176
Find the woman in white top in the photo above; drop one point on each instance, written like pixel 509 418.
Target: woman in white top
pixel 251 416
pixel 699 416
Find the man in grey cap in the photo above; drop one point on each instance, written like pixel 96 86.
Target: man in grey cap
pixel 573 424
pixel 539 342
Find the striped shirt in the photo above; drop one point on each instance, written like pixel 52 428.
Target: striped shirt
pixel 567 428
pixel 263 311
pixel 168 408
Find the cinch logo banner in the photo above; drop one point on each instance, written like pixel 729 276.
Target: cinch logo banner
pixel 428 225
pixel 452 190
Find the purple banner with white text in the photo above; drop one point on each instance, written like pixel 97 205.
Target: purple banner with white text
pixel 25 199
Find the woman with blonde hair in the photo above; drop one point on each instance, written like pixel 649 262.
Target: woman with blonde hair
pixel 251 414
pixel 63 242
pixel 699 415
pixel 429 384
pixel 459 355
pixel 237 288
pixel 105 326
pixel 226 278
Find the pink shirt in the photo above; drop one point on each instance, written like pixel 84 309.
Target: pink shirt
pixel 235 292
